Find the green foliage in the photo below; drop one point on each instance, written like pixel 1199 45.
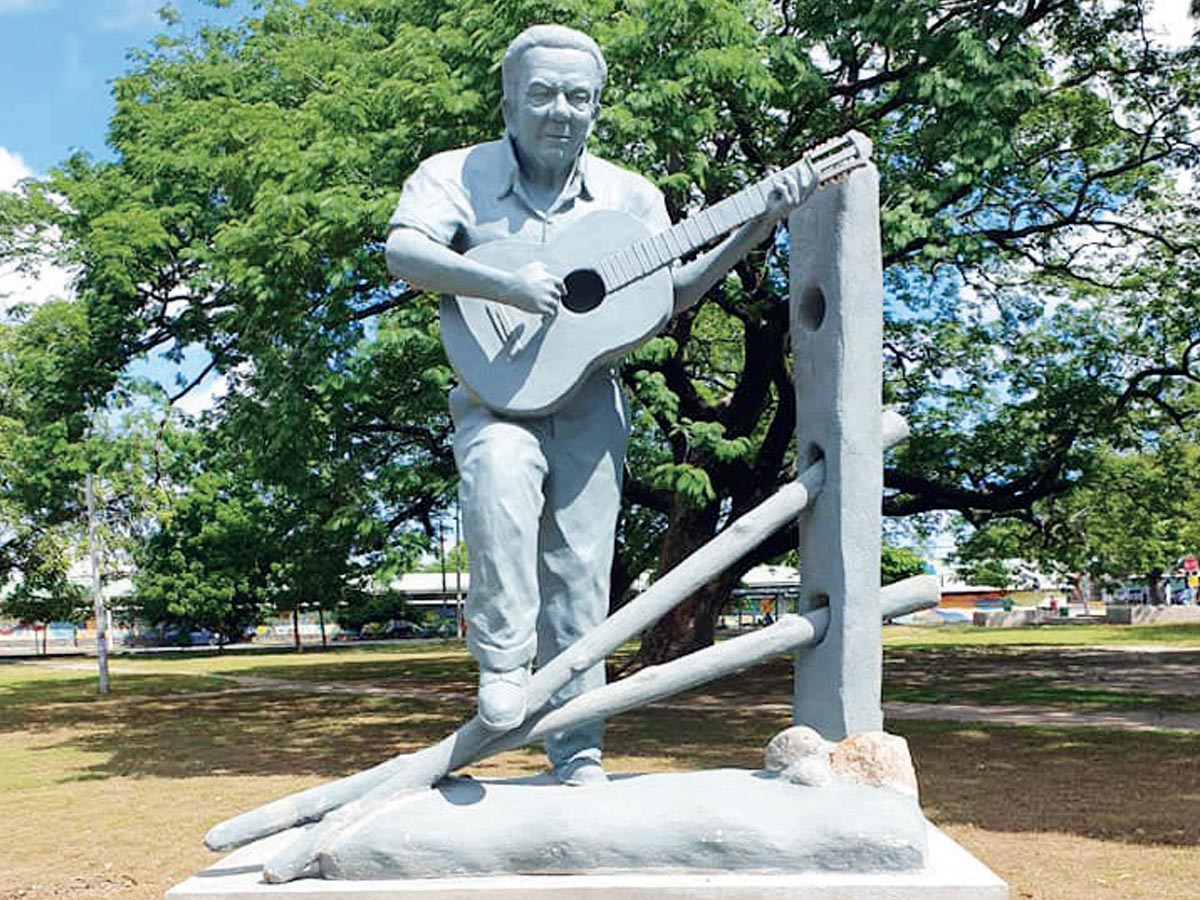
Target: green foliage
pixel 1131 515
pixel 210 563
pixel 898 563
pixel 376 607
pixel 987 572
pixel 1041 262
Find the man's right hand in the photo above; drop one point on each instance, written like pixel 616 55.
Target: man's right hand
pixel 535 289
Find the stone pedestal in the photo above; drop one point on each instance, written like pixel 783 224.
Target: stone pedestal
pixel 952 874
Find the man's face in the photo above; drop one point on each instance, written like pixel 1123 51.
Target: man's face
pixel 554 108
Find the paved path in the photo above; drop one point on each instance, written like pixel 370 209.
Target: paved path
pixel 1060 716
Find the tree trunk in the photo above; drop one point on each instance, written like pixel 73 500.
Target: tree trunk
pixel 296 628
pixel 321 618
pixel 1154 582
pixel 692 624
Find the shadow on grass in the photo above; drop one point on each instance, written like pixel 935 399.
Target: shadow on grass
pixel 1069 676
pixel 177 726
pixel 1137 788
pixel 1132 787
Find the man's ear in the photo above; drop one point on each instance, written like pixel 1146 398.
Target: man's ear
pixel 506 109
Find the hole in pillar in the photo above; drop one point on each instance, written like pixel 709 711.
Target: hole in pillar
pixel 816 601
pixel 812 307
pixel 812 455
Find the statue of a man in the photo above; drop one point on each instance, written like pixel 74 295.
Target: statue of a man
pixel 540 496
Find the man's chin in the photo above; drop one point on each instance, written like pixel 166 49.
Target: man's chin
pixel 557 154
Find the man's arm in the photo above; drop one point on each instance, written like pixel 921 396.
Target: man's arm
pixel 423 262
pixel 692 281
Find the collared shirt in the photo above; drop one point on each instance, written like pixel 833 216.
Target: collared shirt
pixel 471 196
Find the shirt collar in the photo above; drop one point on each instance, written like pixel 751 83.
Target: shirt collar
pixel 510 177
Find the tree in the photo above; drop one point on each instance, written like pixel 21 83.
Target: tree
pixel 209 564
pixel 1131 515
pixel 44 594
pixel 1040 265
pixel 898 563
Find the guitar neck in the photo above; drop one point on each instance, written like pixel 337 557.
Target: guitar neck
pixel 829 161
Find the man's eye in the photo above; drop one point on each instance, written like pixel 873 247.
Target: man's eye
pixel 541 95
pixel 580 99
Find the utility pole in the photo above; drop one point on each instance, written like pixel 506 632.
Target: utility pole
pixel 98 607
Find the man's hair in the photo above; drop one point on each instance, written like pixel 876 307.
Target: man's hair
pixel 548 36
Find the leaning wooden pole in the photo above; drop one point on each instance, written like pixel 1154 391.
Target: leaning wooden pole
pixel 425 767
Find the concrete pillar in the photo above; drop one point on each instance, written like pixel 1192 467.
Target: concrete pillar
pixel 837 334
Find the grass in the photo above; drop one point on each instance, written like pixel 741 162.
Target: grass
pixel 1089 635
pixel 1077 677
pixel 110 796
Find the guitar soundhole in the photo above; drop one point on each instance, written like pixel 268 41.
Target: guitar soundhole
pixel 585 291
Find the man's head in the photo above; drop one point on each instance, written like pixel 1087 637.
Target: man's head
pixel 552 82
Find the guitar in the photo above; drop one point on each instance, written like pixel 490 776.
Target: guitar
pixel 619 293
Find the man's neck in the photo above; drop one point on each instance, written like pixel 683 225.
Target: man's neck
pixel 544 184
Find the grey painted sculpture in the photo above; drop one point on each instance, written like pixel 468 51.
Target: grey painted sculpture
pixel 534 319
pixel 540 492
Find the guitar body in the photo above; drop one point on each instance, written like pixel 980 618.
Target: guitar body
pixel 520 364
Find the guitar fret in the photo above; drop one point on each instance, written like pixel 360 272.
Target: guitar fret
pixel 664 249
pixel 629 261
pixel 744 210
pixel 645 264
pixel 726 217
pixel 621 266
pixel 633 262
pixel 646 257
pixel 655 250
pixel 614 265
pixel 606 273
pixel 678 247
pixel 716 220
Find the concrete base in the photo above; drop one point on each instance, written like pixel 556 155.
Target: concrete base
pixel 952 874
pixel 1145 614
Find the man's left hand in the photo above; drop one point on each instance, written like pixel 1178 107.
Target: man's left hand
pixel 791 187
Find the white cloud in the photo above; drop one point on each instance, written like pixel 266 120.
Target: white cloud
pixel 1168 22
pixel 16 6
pixel 12 167
pixel 19 288
pixel 205 396
pixel 126 15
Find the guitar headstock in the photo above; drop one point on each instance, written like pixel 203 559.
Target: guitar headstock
pixel 837 157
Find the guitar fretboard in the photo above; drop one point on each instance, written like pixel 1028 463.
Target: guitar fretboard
pixel 639 259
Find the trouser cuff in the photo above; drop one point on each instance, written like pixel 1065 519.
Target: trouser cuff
pixel 502 659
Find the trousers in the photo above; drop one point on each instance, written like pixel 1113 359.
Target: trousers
pixel 539 500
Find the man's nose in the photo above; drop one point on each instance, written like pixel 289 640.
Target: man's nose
pixel 560 108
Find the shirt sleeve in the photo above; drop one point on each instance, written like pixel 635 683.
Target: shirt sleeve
pixel 428 204
pixel 656 216
pixel 646 203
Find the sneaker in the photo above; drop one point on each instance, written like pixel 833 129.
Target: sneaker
pixel 582 771
pixel 502 703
